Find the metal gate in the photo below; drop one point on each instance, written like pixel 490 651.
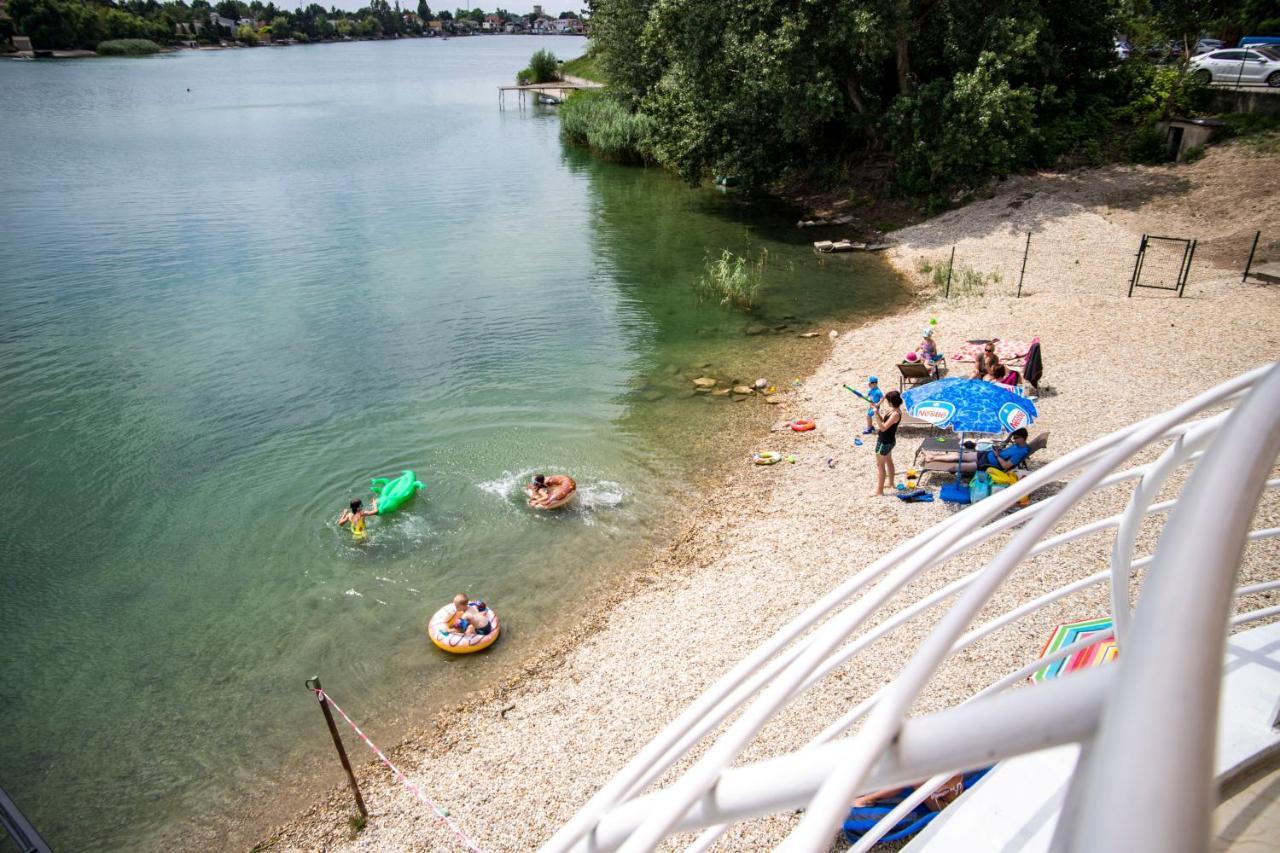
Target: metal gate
pixel 1168 268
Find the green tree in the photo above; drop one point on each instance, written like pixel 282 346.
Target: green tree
pixel 246 34
pixel 280 28
pixel 424 11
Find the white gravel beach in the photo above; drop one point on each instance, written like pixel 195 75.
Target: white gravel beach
pixel 513 763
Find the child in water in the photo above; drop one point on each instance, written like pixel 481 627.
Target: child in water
pixel 355 515
pixel 469 617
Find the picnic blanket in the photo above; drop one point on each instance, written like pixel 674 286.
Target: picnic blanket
pixel 1007 350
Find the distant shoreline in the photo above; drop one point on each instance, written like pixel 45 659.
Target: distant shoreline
pixel 27 55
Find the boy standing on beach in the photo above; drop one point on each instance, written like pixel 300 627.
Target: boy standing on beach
pixel 874 395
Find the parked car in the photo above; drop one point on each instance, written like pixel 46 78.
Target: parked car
pixel 1229 66
pixel 1206 45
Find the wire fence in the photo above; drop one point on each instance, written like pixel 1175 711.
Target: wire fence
pixel 1023 263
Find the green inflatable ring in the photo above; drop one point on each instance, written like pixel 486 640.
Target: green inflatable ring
pixel 393 493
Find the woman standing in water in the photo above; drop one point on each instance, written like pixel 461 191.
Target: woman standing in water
pixel 886 424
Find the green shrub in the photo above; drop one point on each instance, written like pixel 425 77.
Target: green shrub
pixel 1192 154
pixel 128 47
pixel 732 280
pixel 601 122
pixel 543 68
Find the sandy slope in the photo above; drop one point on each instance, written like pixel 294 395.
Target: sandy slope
pixel 512 766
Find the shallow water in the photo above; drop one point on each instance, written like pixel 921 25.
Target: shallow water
pixel 237 284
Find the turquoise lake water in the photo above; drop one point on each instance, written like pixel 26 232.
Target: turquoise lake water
pixel 234 285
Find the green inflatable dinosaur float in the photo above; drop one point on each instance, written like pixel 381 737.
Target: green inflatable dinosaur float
pixel 392 493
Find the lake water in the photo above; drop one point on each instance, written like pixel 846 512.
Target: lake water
pixel 234 285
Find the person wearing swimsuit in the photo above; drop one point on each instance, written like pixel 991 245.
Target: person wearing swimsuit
pixel 550 491
pixel 886 424
pixel 355 516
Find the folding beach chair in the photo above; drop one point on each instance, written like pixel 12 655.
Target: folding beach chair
pixel 1039 442
pixel 913 373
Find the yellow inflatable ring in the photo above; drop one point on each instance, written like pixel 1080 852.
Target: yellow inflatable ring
pixel 460 644
pixel 766 457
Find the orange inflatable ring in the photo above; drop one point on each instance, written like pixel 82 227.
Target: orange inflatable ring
pixel 455 643
pixel 802 425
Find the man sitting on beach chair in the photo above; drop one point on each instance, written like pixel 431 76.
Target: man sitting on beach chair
pixel 1006 459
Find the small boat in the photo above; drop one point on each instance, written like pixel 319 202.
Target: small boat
pixel 548 100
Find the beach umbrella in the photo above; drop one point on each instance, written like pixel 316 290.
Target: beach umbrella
pixel 1095 654
pixel 969 405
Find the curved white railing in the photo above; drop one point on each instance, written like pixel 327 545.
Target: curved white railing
pixel 1191 583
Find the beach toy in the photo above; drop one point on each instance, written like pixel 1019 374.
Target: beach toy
pixel 933 321
pixel 460 644
pixel 900 487
pixel 791 458
pixel 857 442
pixel 556 504
pixel 857 393
pixel 393 493
pixel 802 425
pixel 766 457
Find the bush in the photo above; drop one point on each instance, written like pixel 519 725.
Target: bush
pixel 602 123
pixel 732 280
pixel 128 47
pixel 543 68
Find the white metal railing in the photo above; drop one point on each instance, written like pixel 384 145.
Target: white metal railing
pixel 1190 583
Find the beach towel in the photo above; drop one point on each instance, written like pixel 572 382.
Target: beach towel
pixel 916 496
pixel 1034 368
pixel 1007 350
pixel 862 818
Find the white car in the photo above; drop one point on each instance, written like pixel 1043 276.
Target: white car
pixel 1250 67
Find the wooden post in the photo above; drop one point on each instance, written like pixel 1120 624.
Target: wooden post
pixel 1023 272
pixel 314 684
pixel 951 264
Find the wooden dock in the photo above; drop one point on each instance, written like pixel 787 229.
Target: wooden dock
pixel 560 89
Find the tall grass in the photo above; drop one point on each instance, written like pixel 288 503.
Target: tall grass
pixel 597 120
pixel 964 281
pixel 733 279
pixel 127 47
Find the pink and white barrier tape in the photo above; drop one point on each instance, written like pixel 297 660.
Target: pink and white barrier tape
pixel 417 792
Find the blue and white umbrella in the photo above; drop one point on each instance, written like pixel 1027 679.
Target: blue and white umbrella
pixel 970 405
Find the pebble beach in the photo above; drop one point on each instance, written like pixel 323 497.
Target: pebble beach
pixel 513 762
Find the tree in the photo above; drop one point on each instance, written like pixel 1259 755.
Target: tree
pixel 246 34
pixel 424 11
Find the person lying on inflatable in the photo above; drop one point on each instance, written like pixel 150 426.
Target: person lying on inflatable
pixel 550 491
pixel 355 516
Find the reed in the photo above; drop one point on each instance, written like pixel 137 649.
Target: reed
pixel 127 47
pixel 733 279
pixel 600 122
